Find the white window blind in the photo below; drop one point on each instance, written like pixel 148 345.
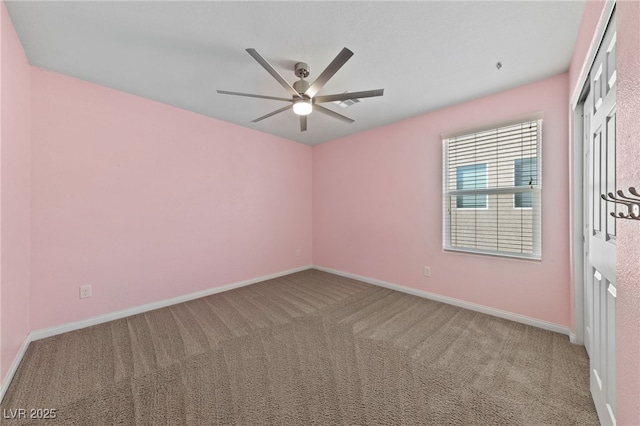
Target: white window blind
pixel 492 191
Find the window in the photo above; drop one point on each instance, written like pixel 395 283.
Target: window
pixel 525 174
pixel 492 191
pixel 471 177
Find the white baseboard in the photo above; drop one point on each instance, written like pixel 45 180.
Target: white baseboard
pixel 455 302
pixel 14 367
pixel 76 325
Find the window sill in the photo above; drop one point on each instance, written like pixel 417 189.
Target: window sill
pixel 515 256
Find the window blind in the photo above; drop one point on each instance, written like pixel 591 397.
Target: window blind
pixel 492 191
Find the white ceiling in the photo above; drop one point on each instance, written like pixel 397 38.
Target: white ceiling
pixel 426 55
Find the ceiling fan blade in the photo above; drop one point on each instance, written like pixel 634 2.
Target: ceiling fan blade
pixel 267 66
pixel 332 114
pixel 328 72
pixel 250 95
pixel 278 111
pixel 347 96
pixel 303 123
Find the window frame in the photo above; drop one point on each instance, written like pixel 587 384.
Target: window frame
pixel 535 190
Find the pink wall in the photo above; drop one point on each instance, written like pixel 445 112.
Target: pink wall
pixel 628 250
pixel 377 207
pixel 146 202
pixel 14 194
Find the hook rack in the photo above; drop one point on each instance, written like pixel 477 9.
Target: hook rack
pixel 632 203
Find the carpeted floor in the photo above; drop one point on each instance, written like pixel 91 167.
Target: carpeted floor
pixel 307 348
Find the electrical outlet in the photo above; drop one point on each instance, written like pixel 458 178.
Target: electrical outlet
pixel 298 252
pixel 427 271
pixel 85 291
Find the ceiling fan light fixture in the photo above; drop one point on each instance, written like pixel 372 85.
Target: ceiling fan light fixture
pixel 302 106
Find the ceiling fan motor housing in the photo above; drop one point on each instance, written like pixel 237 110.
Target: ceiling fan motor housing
pixel 301 86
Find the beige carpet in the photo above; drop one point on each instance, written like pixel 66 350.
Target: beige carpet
pixel 308 348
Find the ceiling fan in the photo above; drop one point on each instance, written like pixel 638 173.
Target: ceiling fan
pixel 303 95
